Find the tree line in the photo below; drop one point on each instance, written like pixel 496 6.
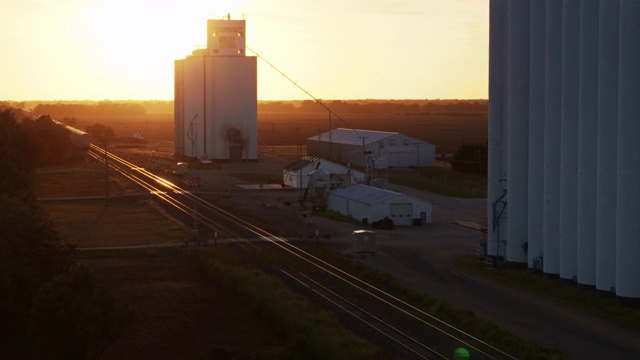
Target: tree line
pixel 50 306
pixel 60 110
pixel 478 107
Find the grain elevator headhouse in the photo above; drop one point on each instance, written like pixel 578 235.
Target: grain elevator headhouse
pixel 215 114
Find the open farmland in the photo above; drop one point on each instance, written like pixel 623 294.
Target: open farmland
pixel 447 132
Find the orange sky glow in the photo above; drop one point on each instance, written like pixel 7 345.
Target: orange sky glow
pixel 335 49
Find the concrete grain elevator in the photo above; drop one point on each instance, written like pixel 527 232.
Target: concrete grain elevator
pixel 564 140
pixel 215 101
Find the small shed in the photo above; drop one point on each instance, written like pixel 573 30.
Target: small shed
pixel 297 173
pixel 364 241
pixel 374 204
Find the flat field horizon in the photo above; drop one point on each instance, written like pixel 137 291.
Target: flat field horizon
pixel 445 123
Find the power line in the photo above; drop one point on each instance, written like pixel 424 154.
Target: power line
pixel 301 88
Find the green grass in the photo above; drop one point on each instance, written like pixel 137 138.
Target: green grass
pixel 128 220
pixel 441 180
pixel 586 301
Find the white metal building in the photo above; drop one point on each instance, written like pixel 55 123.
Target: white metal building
pixel 296 174
pixel 371 203
pixel 564 139
pixel 352 146
pixel 215 105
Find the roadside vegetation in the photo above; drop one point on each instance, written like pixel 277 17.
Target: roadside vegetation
pixel 586 301
pixel 309 331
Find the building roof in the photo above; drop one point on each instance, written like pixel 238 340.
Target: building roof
pixel 365 194
pixel 352 136
pixel 301 163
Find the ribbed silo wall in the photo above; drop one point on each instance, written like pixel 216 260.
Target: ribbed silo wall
pixel 552 126
pixel 536 131
pixel 497 229
pixel 569 139
pixel 607 146
pixel 587 143
pixel 628 223
pixel 517 130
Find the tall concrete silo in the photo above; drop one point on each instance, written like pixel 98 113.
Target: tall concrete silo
pixel 216 105
pixel 535 199
pixel 587 143
pixel 607 146
pixel 583 69
pixel 517 130
pixel 569 139
pixel 497 174
pixel 552 129
pixel 628 199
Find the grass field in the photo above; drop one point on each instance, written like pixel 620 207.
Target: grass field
pixel 130 220
pixel 447 132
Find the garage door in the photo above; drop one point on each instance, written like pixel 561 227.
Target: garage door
pixel 402 214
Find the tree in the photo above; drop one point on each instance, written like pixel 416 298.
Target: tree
pixel 101 134
pixel 15 163
pixel 30 255
pixel 471 158
pixel 75 317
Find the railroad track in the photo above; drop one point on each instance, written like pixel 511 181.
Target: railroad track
pixel 400 326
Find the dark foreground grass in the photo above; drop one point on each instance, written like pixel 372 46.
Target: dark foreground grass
pixel 309 331
pixel 586 301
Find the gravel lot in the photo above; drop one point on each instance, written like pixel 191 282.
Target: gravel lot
pixel 422 258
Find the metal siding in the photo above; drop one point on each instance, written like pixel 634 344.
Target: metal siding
pixel 401 213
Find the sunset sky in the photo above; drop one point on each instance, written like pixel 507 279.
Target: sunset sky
pixel 335 49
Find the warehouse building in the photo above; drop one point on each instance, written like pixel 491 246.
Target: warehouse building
pixel 373 204
pixel 564 138
pixel 215 104
pixel 361 146
pixel 297 173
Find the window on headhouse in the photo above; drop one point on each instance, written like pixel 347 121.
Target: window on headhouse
pixel 214 34
pixel 240 34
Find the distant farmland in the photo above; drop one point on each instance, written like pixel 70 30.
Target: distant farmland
pixel 446 126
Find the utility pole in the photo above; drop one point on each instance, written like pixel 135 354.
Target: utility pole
pixel 330 143
pixel 319 143
pixel 106 176
pixel 272 138
pixel 298 150
pixel 418 157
